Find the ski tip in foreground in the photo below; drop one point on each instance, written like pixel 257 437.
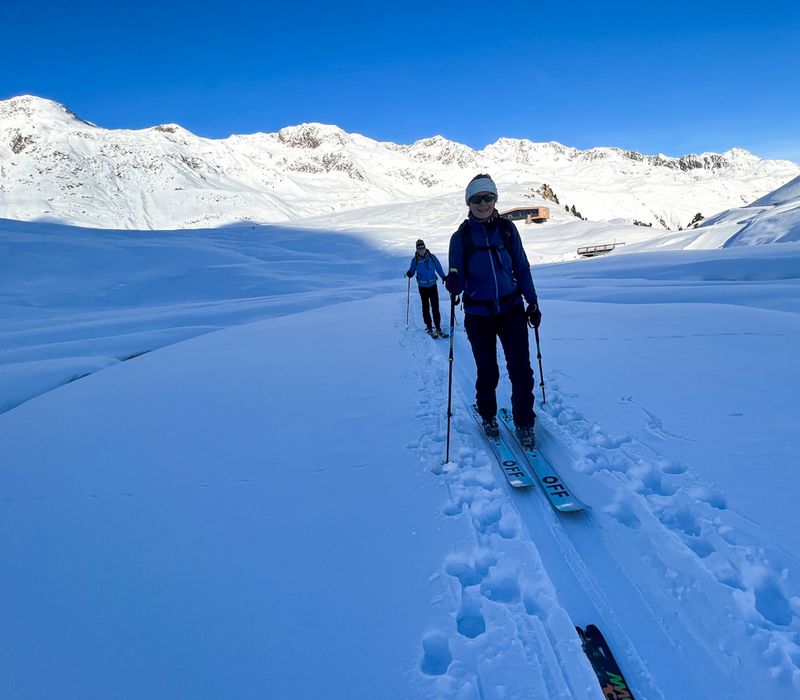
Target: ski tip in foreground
pixel 606 668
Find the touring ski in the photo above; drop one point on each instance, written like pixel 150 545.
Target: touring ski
pixel 612 682
pixel 559 495
pixel 511 467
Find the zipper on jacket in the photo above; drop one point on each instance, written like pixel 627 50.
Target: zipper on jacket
pixel 494 273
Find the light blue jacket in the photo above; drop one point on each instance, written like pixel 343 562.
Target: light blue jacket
pixel 426 268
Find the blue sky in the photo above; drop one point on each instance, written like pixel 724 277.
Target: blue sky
pixel 677 78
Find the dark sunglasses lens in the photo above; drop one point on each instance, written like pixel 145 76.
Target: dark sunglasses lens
pixel 478 198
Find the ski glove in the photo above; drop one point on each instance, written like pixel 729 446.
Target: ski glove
pixel 534 315
pixel 409 274
pixel 454 283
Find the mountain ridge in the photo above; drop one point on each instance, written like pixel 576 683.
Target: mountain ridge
pixel 55 165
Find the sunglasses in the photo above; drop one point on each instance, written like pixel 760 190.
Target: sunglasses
pixel 478 198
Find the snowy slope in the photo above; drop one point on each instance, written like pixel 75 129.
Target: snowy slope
pixel 261 509
pixel 775 218
pixel 55 166
pixel 396 226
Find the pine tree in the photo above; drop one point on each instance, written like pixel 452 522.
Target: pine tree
pixel 697 219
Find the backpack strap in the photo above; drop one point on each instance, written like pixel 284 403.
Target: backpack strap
pixel 468 246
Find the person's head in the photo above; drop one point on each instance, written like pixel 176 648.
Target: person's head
pixel 481 195
pixel 420 247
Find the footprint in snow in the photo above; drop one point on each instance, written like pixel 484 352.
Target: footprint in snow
pixel 501 587
pixel 470 621
pixel 679 516
pixel 711 496
pixel 485 513
pixel 651 481
pixel 771 604
pixel 436 656
pixel 470 571
pixel 669 466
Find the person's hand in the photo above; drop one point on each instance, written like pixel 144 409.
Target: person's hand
pixel 534 315
pixel 454 283
pixel 409 274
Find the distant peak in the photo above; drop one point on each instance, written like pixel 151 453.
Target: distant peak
pixel 740 154
pixel 511 141
pixel 312 135
pixel 526 152
pixel 440 149
pixel 30 107
pixel 433 141
pixel 508 143
pixel 174 129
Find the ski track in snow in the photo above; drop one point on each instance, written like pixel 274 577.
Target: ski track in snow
pixel 704 585
pixel 683 516
pixel 505 612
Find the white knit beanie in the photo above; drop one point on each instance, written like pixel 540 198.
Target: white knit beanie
pixel 482 184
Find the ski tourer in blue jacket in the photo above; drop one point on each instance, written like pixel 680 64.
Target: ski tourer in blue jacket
pixel 491 273
pixel 426 268
pixel 425 265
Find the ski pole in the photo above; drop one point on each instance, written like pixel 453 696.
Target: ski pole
pixel 450 377
pixel 539 357
pixel 408 300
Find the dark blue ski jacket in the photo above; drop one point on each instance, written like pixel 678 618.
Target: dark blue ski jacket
pixel 490 259
pixel 426 268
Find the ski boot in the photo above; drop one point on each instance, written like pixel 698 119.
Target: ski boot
pixel 526 437
pixel 490 427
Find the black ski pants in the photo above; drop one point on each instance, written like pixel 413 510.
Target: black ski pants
pixel 512 329
pixel 430 298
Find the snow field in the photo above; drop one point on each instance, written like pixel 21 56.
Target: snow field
pixel 170 531
pixel 221 563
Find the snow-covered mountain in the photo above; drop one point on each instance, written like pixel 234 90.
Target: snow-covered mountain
pixel 775 218
pixel 56 166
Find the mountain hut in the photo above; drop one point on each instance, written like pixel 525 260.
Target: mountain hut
pixel 531 215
